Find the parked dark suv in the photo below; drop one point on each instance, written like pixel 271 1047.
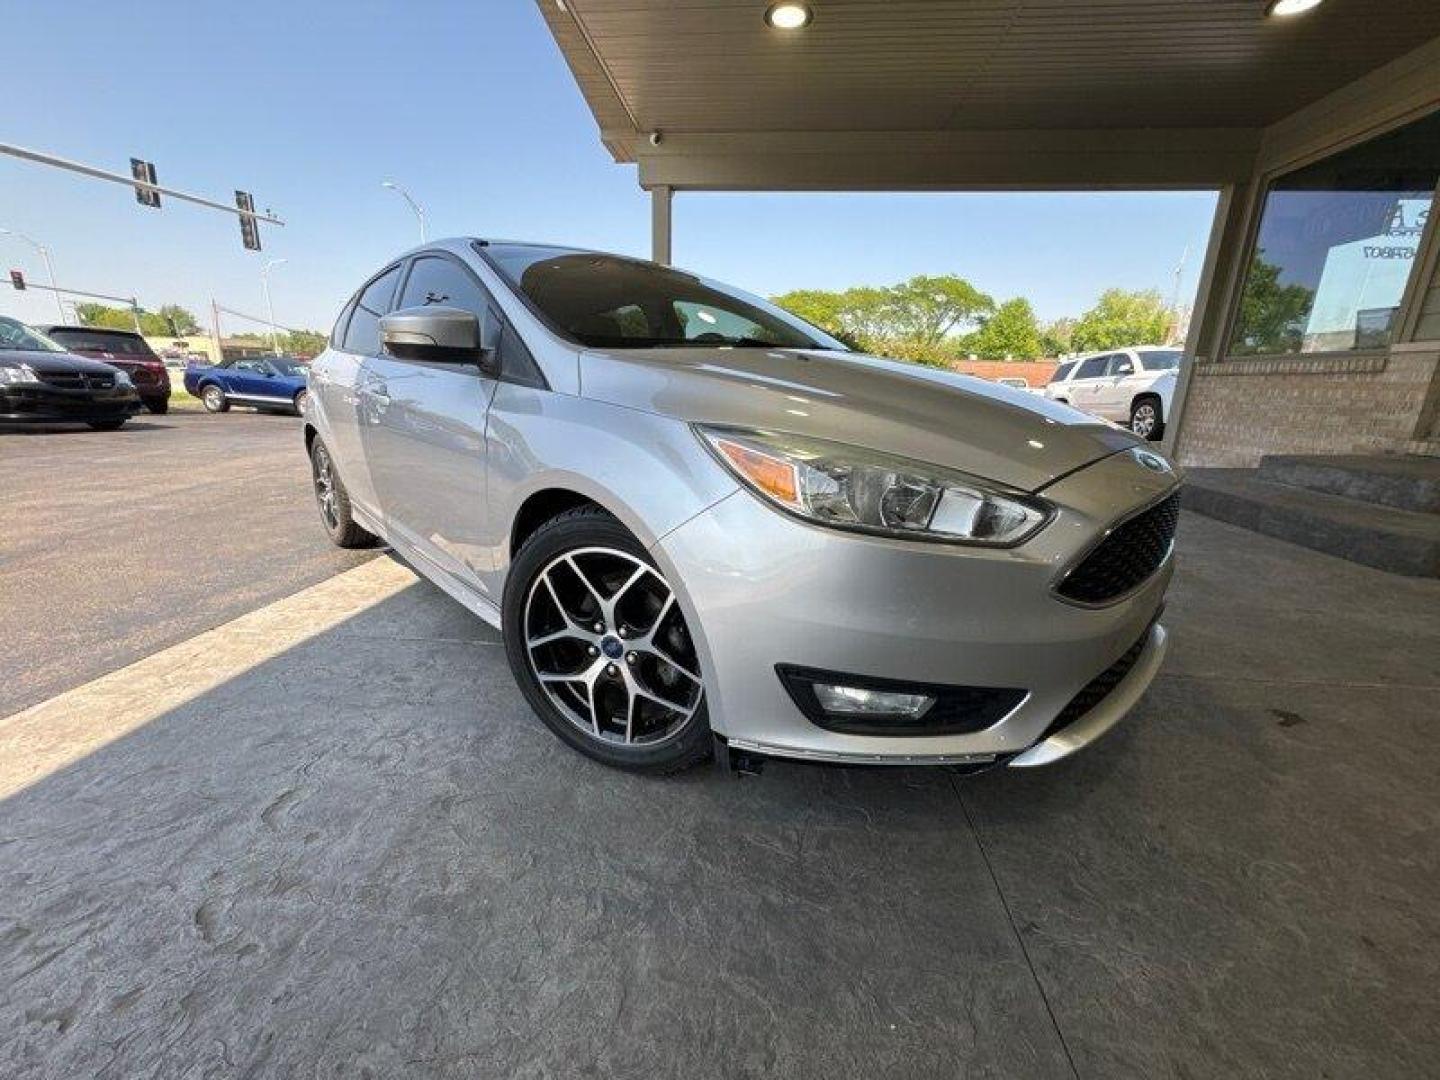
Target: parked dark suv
pixel 42 383
pixel 125 350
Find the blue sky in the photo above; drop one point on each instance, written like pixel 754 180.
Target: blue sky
pixel 469 105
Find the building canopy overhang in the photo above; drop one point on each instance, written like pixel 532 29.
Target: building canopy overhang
pixel 964 94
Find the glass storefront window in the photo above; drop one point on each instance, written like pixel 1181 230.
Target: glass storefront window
pixel 1337 245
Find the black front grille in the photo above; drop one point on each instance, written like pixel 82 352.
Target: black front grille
pixel 1133 551
pixel 77 380
pixel 1097 689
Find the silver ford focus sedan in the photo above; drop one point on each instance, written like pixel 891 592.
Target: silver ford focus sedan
pixel 704 526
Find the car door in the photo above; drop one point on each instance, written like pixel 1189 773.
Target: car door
pixel 423 430
pixel 1113 392
pixel 336 382
pixel 1086 380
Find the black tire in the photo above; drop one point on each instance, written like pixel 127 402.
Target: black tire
pixel 159 406
pixel 1147 418
pixel 214 399
pixel 339 523
pixel 301 398
pixel 108 425
pixel 591 527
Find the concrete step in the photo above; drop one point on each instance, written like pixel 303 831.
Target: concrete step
pixel 1406 482
pixel 1399 541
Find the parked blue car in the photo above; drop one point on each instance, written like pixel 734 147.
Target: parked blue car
pixel 270 383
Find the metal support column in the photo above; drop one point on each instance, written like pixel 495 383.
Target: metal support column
pixel 660 196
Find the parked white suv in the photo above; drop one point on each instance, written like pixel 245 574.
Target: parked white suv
pixel 1132 386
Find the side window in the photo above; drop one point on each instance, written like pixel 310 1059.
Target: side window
pixel 1121 364
pixel 516 363
pixel 337 335
pixel 1092 368
pixel 363 334
pixel 435 280
pixel 249 365
pixel 1062 372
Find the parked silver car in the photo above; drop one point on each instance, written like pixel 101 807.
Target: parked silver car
pixel 702 524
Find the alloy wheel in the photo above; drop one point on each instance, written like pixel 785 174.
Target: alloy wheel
pixel 1142 422
pixel 607 642
pixel 325 488
pixel 214 398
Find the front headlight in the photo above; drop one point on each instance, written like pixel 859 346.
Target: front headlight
pixel 851 488
pixel 17 373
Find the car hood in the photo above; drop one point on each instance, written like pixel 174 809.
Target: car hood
pixel 50 363
pixel 925 414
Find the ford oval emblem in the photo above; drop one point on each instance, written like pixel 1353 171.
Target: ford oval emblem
pixel 1153 462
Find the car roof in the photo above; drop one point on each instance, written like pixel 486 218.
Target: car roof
pixel 115 331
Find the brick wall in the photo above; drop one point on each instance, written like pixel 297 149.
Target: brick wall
pixel 1240 410
pixel 1034 372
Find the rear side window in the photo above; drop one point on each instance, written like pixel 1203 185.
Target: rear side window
pixel 363 334
pixel 119 344
pixel 1062 372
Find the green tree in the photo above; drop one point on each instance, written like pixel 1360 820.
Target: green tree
pixel 927 308
pixel 1009 334
pixel 915 320
pixel 1121 318
pixel 1272 316
pixel 172 320
pixel 1058 337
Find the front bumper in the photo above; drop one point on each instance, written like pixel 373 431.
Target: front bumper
pixel 28 403
pixel 760 588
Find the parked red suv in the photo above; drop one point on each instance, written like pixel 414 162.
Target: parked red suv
pixel 123 349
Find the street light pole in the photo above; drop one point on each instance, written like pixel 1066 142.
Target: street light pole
pixel 269 307
pixel 419 210
pixel 49 266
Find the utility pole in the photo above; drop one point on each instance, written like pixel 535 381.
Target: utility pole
pixel 215 323
pixel 49 266
pixel 1175 295
pixel 269 307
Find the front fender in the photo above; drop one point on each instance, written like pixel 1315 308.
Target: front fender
pixel 649 471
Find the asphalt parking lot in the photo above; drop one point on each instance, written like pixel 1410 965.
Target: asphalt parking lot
pixel 115 544
pixel 330 839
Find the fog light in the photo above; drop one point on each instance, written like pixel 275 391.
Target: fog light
pixel 856 701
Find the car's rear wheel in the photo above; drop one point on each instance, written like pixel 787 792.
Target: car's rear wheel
pixel 107 425
pixel 214 399
pixel 302 399
pixel 334 502
pixel 1146 419
pixel 600 647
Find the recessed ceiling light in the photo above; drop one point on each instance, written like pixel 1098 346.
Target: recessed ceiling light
pixel 788 16
pixel 1282 8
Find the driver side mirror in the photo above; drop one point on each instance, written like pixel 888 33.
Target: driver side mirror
pixel 443 335
pixel 1125 368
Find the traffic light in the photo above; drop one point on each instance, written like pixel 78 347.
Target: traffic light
pixel 249 228
pixel 18 280
pixel 144 172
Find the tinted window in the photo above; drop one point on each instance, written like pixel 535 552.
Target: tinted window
pixel 614 302
pixel 1062 372
pixel 75 337
pixel 17 337
pixel 1092 368
pixel 363 333
pixel 438 281
pixel 1337 245
pixel 1160 359
pixel 1120 364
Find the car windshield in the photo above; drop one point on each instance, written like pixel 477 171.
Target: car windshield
pixel 613 302
pixel 79 337
pixel 1160 359
pixel 286 366
pixel 17 337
